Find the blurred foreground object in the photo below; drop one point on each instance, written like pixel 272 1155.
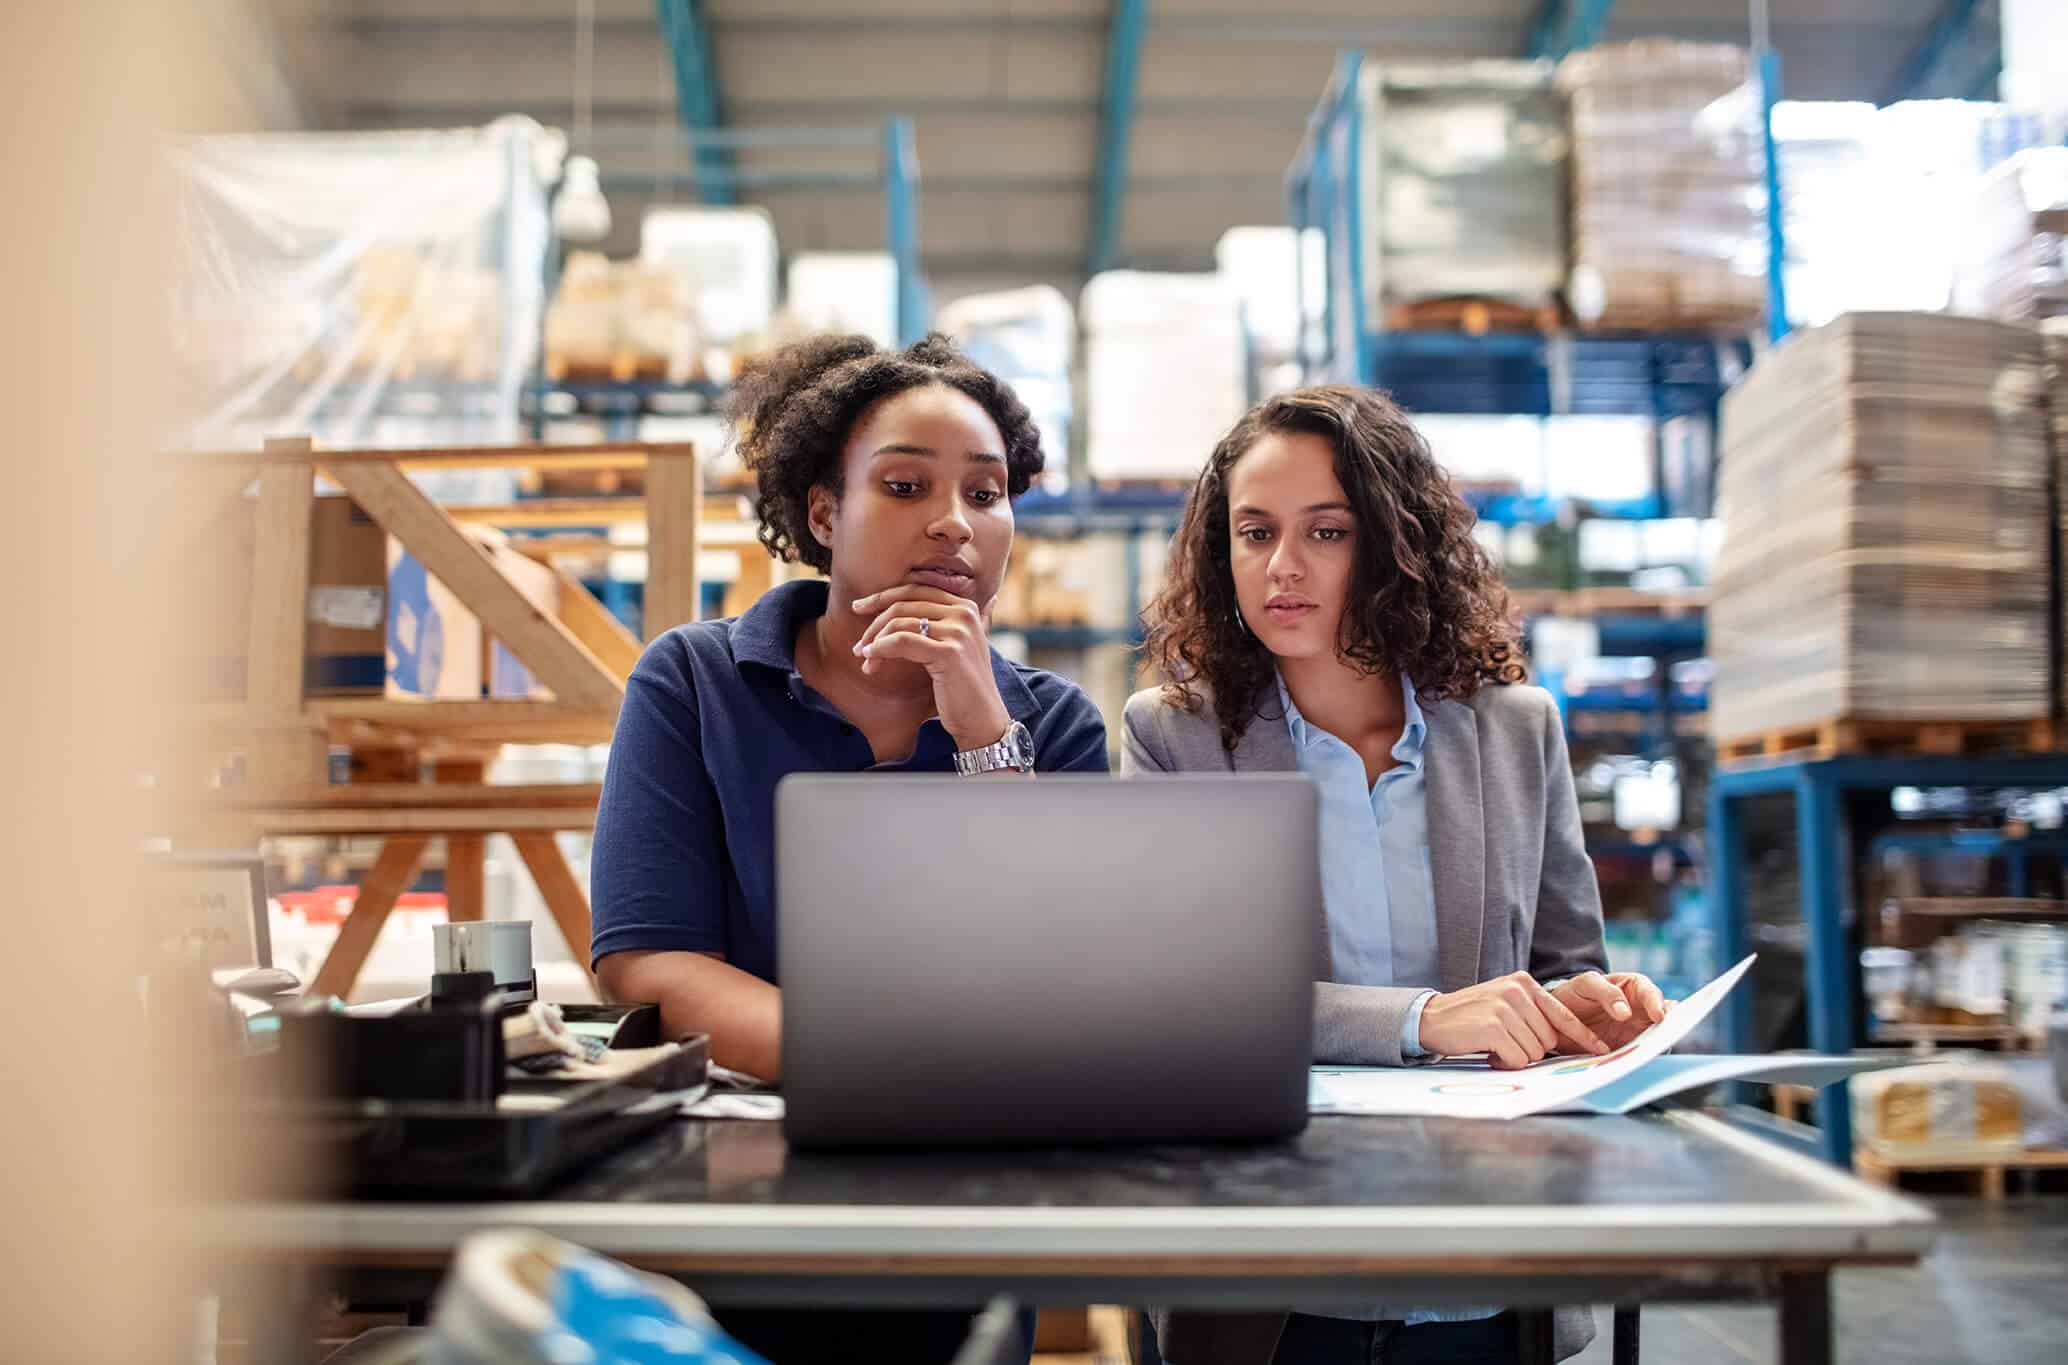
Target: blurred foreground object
pixel 98 1145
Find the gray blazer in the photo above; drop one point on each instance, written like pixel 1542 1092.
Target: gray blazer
pixel 1514 890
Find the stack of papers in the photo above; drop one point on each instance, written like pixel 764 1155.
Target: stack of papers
pixel 1634 1075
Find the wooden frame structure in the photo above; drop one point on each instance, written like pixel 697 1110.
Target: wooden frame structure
pixel 582 654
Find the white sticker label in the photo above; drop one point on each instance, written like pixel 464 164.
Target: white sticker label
pixel 348 608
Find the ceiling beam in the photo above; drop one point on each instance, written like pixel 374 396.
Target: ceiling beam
pixel 1124 33
pixel 1563 26
pixel 695 63
pixel 1946 63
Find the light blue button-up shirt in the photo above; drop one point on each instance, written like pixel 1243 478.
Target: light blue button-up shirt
pixel 1376 887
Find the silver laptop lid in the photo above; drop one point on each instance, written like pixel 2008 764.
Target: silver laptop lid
pixel 1063 960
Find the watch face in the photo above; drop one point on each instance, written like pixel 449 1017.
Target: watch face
pixel 1022 744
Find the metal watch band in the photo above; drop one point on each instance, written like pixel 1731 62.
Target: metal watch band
pixel 1015 749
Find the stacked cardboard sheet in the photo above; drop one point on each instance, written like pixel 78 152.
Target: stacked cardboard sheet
pixel 2054 338
pixel 1885 553
pixel 1668 186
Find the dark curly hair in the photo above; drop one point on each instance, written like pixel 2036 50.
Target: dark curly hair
pixel 793 411
pixel 1425 600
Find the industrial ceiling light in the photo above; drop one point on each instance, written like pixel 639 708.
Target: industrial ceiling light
pixel 580 212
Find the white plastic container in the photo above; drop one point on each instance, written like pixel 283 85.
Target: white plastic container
pixel 727 256
pixel 846 291
pixel 1165 372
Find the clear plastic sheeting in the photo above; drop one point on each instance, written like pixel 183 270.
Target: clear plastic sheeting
pixel 1824 150
pixel 1026 337
pixel 1280 276
pixel 1465 166
pixel 2013 257
pixel 1668 186
pixel 1885 208
pixel 1885 551
pixel 369 290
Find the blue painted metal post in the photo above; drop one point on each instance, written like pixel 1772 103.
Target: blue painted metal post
pixel 1124 34
pixel 1828 971
pixel 1563 26
pixel 1949 34
pixel 1769 73
pixel 696 95
pixel 1726 840
pixel 1349 183
pixel 901 225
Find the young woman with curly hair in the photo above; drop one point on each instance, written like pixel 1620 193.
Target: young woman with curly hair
pixel 1328 612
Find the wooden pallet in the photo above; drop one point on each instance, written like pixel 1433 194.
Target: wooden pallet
pixel 1832 738
pixel 624 367
pixel 1667 606
pixel 1990 1170
pixel 1474 315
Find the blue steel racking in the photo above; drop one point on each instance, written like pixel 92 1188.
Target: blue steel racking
pixel 1820 788
pixel 1661 375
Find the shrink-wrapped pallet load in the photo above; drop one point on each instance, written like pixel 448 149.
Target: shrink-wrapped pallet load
pixel 1465 182
pixel 2012 259
pixel 1668 186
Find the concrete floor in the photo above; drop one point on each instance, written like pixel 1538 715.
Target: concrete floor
pixel 1994 1291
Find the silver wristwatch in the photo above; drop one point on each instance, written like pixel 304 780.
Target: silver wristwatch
pixel 1015 750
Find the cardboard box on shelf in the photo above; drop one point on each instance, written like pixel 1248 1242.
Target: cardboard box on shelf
pixel 433 642
pixel 347 604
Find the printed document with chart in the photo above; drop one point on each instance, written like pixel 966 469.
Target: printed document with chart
pixel 1634 1075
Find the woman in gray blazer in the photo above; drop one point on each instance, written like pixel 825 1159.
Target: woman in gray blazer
pixel 1327 611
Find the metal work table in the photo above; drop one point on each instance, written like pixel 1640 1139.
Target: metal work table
pixel 1536 1212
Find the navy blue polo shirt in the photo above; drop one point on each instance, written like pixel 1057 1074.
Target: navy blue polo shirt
pixel 715 715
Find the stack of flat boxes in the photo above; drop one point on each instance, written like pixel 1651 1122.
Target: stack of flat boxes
pixel 1668 186
pixel 2054 339
pixel 1886 527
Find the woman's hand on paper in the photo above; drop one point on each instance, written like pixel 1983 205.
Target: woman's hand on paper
pixel 1512 1019
pixel 1617 1006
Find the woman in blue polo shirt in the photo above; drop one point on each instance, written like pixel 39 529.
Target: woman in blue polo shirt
pixel 893 474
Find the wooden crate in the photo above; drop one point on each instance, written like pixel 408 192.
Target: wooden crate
pixel 1834 738
pixel 578 651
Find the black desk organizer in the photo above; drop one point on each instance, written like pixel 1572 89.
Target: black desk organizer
pixel 413 1103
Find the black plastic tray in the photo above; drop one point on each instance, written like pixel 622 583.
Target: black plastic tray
pixel 441 1149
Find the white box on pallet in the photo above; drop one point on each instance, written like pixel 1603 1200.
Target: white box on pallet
pixel 1165 372
pixel 846 291
pixel 727 256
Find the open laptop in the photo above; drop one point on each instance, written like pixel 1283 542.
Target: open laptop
pixel 1068 960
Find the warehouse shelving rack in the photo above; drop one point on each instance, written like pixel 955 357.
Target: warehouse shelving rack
pixel 1661 375
pixel 1821 788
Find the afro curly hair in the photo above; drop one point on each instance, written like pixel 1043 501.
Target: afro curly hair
pixel 793 410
